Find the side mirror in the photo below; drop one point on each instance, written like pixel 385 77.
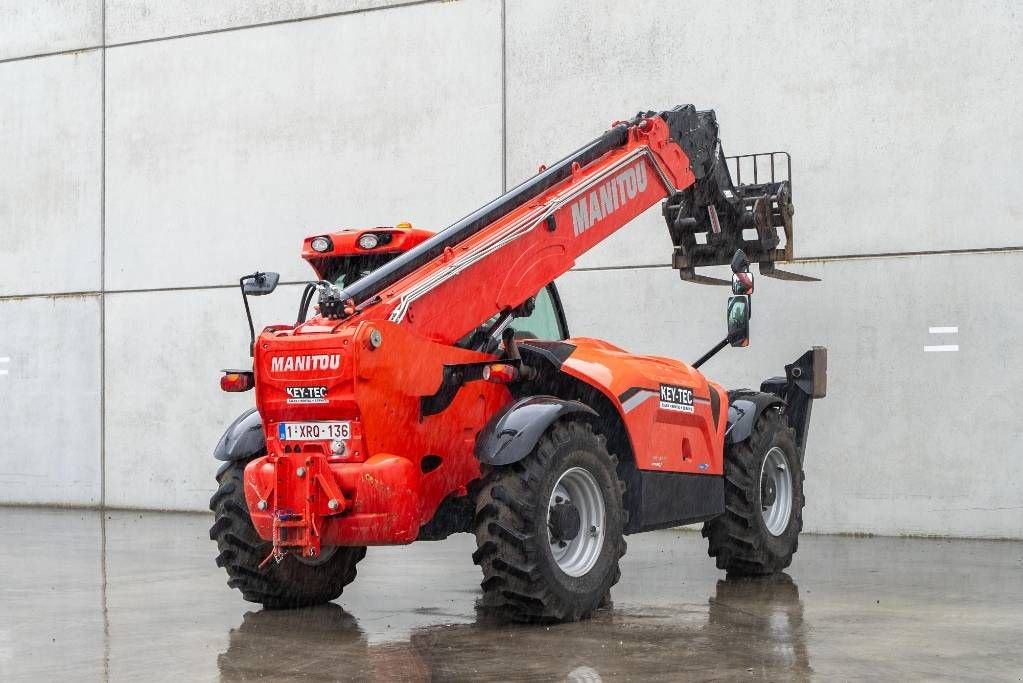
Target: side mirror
pixel 742 283
pixel 740 263
pixel 738 320
pixel 739 305
pixel 260 284
pixel 257 284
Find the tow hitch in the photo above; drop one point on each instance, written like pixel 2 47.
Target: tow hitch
pixel 305 492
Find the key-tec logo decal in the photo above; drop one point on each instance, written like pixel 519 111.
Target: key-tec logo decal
pixel 676 398
pixel 307 394
pixel 327 361
pixel 608 198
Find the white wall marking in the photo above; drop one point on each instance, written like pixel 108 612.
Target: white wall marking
pixel 5 359
pixel 942 348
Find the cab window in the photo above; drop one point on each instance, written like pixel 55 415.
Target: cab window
pixel 346 270
pixel 543 322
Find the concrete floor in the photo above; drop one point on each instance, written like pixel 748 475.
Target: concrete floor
pixel 136 596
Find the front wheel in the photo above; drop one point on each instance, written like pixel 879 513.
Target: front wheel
pixel 293 582
pixel 549 528
pixel 759 531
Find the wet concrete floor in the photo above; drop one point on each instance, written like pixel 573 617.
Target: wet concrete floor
pixel 87 596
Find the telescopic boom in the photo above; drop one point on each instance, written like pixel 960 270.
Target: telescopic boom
pixel 497 257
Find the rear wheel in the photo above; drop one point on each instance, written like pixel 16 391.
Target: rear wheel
pixel 294 582
pixel 759 531
pixel 549 528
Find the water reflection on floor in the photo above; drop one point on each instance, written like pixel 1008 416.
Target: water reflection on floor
pixel 136 596
pixel 767 616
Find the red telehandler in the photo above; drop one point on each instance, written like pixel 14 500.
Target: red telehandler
pixel 437 391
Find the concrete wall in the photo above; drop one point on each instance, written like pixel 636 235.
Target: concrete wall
pixel 155 150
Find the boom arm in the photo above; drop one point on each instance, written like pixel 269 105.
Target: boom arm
pixel 497 257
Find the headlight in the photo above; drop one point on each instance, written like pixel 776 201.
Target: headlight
pixel 321 244
pixel 369 241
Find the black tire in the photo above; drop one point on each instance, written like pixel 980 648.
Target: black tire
pixel 521 579
pixel 739 538
pixel 288 584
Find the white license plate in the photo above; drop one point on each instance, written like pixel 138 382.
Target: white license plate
pixel 313 431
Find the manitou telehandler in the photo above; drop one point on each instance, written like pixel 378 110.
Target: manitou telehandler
pixel 435 390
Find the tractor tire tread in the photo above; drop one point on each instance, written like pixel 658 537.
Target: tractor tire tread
pixel 736 538
pixel 242 553
pixel 508 548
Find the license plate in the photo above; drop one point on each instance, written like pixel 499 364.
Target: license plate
pixel 313 431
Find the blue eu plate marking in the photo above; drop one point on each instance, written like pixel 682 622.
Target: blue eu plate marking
pixel 280 431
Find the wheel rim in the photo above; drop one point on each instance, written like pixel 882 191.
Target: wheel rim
pixel 775 491
pixel 578 488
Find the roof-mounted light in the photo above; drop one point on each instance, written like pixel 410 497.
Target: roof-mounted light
pixel 369 241
pixel 321 244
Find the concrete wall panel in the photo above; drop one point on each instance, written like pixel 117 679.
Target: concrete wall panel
pixel 897 145
pixel 31 27
pixel 907 441
pixel 224 151
pixel 164 407
pixel 50 179
pixel 50 400
pixel 131 20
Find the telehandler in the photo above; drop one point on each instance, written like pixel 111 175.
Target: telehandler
pixel 435 389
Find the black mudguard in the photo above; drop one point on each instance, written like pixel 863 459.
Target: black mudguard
pixel 243 440
pixel 511 434
pixel 744 409
pixel 805 379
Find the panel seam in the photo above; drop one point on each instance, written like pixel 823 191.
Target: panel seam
pixel 226 29
pixel 56 53
pixel 275 22
pixel 103 263
pixel 504 97
pixel 639 266
pixel 828 259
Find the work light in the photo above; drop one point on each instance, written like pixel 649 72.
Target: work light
pixel 369 241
